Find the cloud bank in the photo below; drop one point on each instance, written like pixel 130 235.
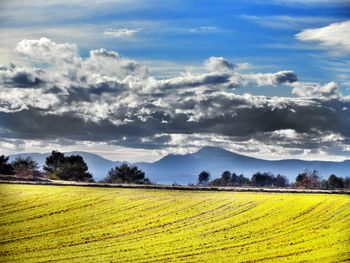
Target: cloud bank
pixel 112 99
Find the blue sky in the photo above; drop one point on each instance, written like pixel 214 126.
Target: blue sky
pixel 261 33
pixel 308 39
pixel 243 31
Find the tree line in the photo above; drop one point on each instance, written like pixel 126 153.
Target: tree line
pixel 307 179
pixel 74 168
pixel 68 168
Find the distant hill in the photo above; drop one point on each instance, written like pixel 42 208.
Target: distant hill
pixel 184 169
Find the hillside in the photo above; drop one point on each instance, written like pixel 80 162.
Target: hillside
pixel 80 224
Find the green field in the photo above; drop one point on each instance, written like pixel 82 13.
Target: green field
pixel 83 224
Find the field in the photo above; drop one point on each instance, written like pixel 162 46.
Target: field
pixel 83 224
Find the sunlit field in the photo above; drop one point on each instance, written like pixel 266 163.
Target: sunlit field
pixel 82 224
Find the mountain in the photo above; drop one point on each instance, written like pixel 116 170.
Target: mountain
pixel 184 169
pixel 98 165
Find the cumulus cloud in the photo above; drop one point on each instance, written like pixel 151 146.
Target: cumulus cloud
pixel 44 50
pixel 109 98
pixel 110 63
pixel 218 64
pixel 335 36
pixel 328 90
pixel 121 33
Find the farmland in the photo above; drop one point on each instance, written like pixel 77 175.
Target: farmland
pixel 84 224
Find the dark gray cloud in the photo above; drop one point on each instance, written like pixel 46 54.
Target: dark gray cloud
pixel 286 77
pixel 247 120
pixel 20 77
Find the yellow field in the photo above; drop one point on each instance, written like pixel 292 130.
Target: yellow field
pixel 82 224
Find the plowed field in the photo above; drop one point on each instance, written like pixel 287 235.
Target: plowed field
pixel 83 224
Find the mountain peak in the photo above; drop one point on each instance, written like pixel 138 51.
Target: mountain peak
pixel 212 150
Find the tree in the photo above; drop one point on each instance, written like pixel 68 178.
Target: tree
pixel 234 179
pixel 347 182
pixel 69 168
pixel 242 180
pixel 258 179
pixel 301 180
pixel 74 168
pixel 315 179
pixel 308 179
pixel 26 168
pixel 126 174
pixel 226 178
pixel 335 182
pixel 5 168
pixel 216 182
pixel 281 181
pixel 263 179
pixel 203 178
pixel 53 164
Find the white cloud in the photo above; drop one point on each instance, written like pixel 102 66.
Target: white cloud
pixel 15 100
pixel 329 90
pixel 335 36
pixel 218 64
pixel 121 33
pixel 286 133
pixel 110 63
pixel 41 11
pixel 312 2
pixel 47 51
pixel 287 22
pixel 204 29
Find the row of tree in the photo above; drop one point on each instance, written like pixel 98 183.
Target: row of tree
pixel 226 179
pixel 311 179
pixel 69 168
pixel 24 168
pixel 74 168
pixel 307 179
pixel 57 166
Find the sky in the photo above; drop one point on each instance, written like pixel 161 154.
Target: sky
pixel 136 80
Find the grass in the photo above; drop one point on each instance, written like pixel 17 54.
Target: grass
pixel 82 224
